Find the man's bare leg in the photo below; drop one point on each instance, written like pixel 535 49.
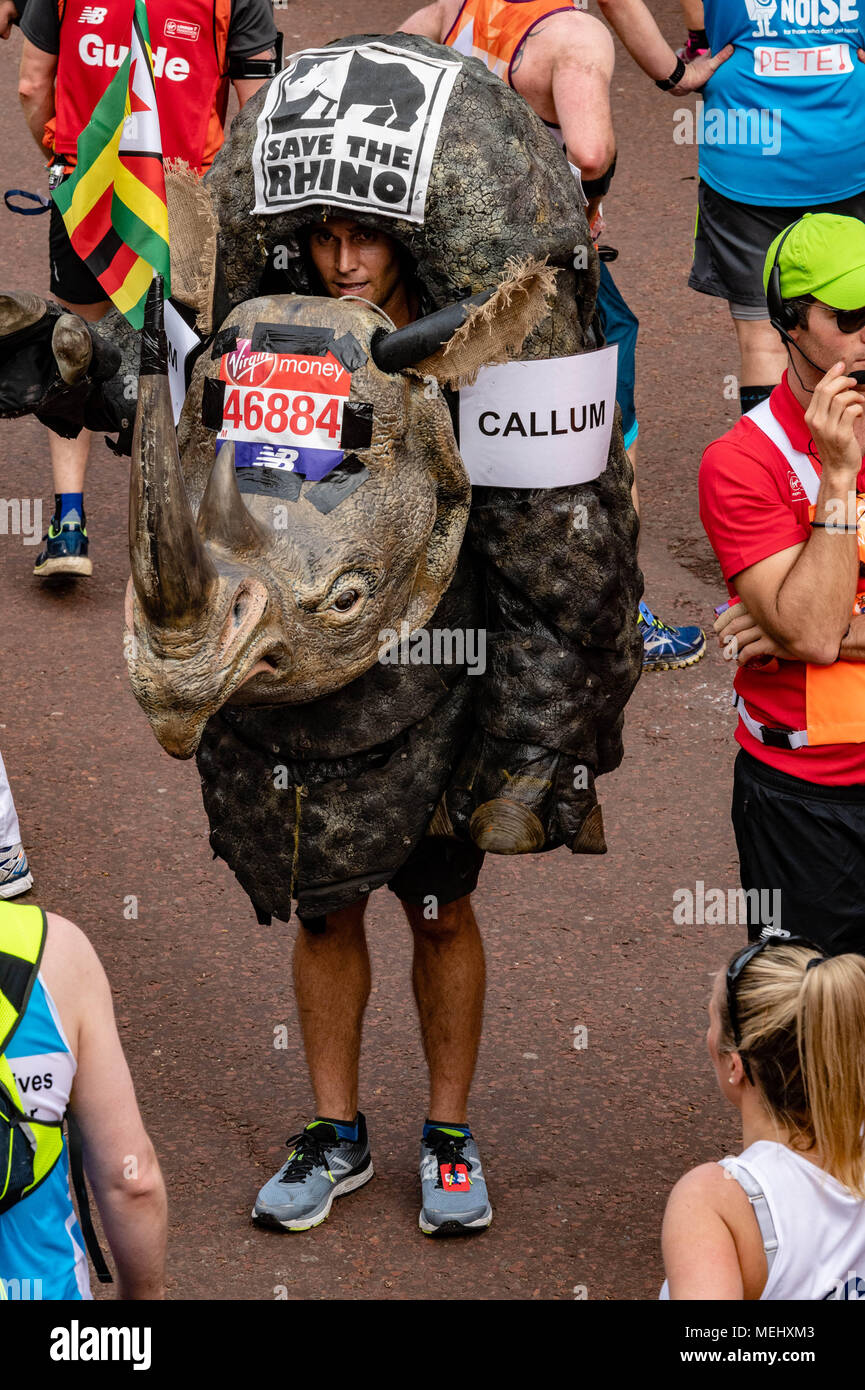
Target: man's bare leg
pixel 449 977
pixel 632 455
pixel 762 353
pixel 69 456
pixel 331 985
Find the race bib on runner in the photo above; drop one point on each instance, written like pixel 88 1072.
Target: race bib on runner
pixel 830 60
pixel 284 410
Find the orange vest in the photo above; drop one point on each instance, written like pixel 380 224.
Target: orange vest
pixel 494 30
pixel 834 695
pixel 189 41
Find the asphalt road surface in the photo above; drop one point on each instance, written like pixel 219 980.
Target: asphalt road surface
pixel 581 1143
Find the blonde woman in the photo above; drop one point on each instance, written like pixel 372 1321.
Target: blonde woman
pixel 786 1219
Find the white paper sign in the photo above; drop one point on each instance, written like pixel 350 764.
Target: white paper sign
pixel 353 127
pixel 181 340
pixel 539 424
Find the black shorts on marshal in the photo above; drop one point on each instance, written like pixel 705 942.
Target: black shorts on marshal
pixel 731 241
pixel 803 844
pixel 70 279
pixel 439 868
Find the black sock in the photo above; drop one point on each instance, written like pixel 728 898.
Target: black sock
pixel 698 38
pixel 749 396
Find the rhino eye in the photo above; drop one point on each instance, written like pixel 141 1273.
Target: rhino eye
pixel 346 600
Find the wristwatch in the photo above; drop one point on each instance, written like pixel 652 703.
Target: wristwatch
pixel 678 73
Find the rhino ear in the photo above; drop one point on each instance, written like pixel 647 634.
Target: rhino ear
pixel 494 331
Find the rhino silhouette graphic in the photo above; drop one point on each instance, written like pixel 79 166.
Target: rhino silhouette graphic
pixel 319 94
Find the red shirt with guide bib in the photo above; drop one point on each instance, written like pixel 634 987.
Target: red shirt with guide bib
pixel 189 42
pixel 752 506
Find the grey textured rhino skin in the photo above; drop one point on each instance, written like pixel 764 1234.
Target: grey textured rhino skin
pixel 320 801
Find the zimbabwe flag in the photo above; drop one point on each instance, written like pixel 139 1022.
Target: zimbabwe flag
pixel 113 205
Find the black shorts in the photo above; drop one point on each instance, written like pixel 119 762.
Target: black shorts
pixel 70 278
pixel 438 868
pixel 731 241
pixel 806 842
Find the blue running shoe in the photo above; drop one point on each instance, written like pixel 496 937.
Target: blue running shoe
pixel 668 648
pixel 320 1167
pixel 454 1193
pixel 65 551
pixel 15 875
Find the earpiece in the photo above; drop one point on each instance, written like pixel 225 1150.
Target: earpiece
pixel 782 315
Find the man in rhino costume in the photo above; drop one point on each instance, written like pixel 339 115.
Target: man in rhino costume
pixel 328 767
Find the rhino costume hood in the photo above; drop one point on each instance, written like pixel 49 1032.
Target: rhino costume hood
pixel 322 768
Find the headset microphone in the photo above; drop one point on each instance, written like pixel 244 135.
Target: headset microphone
pixel 783 315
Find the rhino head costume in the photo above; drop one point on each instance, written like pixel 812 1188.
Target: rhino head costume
pixel 290 596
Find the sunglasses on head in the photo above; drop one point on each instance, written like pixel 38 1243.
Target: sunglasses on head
pixel 734 970
pixel 848 320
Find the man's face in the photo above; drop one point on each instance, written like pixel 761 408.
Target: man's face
pixel 351 259
pixel 826 342
pixel 8 15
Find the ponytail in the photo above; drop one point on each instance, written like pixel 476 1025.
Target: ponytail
pixel 802 1031
pixel 831 1033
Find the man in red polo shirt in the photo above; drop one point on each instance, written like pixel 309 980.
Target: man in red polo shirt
pixel 782 499
pixel 71 51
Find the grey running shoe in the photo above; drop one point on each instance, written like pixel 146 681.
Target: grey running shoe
pixel 15 875
pixel 321 1166
pixel 454 1193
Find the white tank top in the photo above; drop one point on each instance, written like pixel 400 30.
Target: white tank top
pixel 813 1228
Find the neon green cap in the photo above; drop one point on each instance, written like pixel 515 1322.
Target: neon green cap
pixel 824 255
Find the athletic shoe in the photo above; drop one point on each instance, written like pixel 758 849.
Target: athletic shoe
pixel 65 551
pixel 321 1166
pixel 15 875
pixel 668 648
pixel 690 51
pixel 454 1193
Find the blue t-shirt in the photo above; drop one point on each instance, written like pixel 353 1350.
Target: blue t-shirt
pixel 782 122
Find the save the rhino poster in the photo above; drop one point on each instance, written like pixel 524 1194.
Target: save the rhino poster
pixel 354 127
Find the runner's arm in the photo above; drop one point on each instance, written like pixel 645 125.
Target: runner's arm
pixel 803 596
pixel 247 87
pixel 581 76
pixel 853 645
pixel 636 27
pixel 428 22
pixel 118 1156
pixel 700 1257
pixel 36 88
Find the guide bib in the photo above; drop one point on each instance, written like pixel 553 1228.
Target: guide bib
pixel 189 41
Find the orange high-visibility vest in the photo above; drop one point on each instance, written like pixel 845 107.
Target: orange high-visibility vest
pixel 834 695
pixel 189 41
pixel 493 30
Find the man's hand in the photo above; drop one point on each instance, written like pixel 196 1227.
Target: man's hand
pixel 833 417
pixel 700 70
pixel 8 16
pixel 741 639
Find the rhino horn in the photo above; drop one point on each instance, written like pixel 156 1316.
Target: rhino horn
pixel 391 352
pixel 223 515
pixel 19 311
pixel 172 572
pixel 72 346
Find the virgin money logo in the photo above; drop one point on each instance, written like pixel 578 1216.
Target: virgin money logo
pixel 180 29
pixel 245 368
